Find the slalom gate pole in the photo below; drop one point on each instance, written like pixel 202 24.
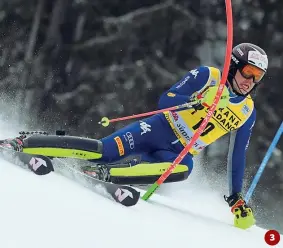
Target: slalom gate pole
pixel 229 44
pixel 264 162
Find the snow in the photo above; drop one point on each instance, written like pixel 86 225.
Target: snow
pixel 54 212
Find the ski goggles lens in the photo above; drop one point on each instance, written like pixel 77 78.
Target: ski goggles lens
pixel 250 71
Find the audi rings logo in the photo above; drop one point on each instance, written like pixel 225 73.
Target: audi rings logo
pixel 130 139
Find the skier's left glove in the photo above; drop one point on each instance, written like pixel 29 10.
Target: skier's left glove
pixel 244 217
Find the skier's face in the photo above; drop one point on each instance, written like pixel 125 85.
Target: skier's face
pixel 241 84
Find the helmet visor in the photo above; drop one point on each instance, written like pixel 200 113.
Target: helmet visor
pixel 251 71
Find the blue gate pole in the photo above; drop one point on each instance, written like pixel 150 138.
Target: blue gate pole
pixel 264 162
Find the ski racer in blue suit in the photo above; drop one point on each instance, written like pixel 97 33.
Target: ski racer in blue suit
pixel 160 138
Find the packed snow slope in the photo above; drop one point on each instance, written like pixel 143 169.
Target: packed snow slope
pixel 53 212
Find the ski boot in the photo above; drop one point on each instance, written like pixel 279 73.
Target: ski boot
pixel 98 171
pixel 14 144
pixel 102 172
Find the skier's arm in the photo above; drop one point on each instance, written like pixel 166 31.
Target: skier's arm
pixel 239 141
pixel 180 92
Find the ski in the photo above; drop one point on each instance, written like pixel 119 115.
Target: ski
pixel 42 165
pixel 38 164
pixel 122 194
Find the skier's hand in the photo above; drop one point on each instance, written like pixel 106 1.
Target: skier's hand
pixel 244 217
pixel 206 97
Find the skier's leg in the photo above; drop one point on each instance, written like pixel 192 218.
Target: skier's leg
pixel 170 156
pixel 63 146
pixel 147 173
pixel 139 137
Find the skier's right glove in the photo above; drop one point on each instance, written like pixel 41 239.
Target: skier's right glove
pixel 206 98
pixel 244 217
pixel 15 144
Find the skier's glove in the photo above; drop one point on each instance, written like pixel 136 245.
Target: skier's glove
pixel 244 217
pixel 206 98
pixel 15 144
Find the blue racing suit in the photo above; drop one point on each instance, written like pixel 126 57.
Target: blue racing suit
pixel 161 137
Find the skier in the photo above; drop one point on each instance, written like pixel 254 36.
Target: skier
pixel 160 138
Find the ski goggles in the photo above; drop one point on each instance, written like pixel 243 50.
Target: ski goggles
pixel 251 71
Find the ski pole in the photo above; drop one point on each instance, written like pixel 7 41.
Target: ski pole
pixel 105 121
pixel 264 162
pixel 199 131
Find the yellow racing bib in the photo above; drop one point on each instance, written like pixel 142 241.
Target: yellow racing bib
pixel 224 120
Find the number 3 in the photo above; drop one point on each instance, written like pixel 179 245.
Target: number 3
pixel 272 237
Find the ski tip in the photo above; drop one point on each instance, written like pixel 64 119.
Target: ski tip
pixel 126 195
pixel 41 165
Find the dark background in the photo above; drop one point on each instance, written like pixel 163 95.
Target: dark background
pixel 65 64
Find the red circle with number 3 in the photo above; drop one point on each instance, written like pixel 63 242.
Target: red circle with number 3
pixel 272 237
